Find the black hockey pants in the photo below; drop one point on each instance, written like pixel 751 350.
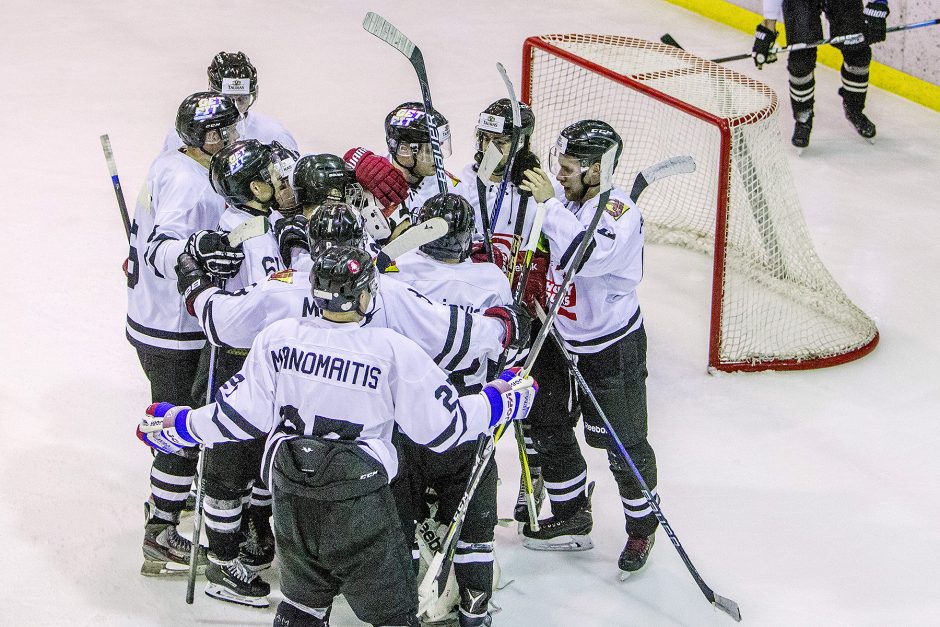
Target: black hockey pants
pixel 337 532
pixel 617 377
pixel 803 22
pixel 171 375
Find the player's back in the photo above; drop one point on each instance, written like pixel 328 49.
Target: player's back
pixel 473 286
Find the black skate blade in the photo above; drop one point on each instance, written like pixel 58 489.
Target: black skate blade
pixel 224 594
pixel 727 606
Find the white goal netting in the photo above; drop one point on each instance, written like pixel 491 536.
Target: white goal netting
pixel 774 303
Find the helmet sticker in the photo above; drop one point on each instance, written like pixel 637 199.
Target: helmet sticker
pixel 353 266
pixel 443 132
pixel 236 86
pixel 561 144
pixel 207 108
pixel 492 123
pixel 406 117
pixel 236 160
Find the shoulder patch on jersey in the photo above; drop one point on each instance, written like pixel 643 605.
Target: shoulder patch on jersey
pixel 616 208
pixel 284 276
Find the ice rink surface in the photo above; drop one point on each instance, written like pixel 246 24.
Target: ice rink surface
pixel 810 498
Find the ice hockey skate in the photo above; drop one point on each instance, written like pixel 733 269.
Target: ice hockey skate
pixel 257 551
pixel 234 582
pixel 166 552
pixel 801 130
pixel 563 534
pixel 865 127
pixel 634 555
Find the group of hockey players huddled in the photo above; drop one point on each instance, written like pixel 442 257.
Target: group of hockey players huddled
pixel 342 395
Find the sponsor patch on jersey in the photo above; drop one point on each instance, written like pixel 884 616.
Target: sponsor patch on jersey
pixel 616 208
pixel 236 86
pixel 284 276
pixel 236 161
pixel 406 117
pixel 206 108
pixel 491 123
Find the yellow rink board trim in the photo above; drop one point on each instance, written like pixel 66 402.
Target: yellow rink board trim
pixel 881 75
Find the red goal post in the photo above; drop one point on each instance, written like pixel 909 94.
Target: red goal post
pixel 774 305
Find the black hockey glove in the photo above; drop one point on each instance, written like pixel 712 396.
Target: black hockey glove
pixel 213 252
pixel 517 322
pixel 291 233
pixel 191 279
pixel 876 21
pixel 764 39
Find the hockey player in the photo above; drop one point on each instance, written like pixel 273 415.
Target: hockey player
pixel 327 393
pixel 804 25
pixel 175 203
pixel 410 161
pixel 232 74
pixel 494 125
pixel 443 271
pixel 254 180
pixel 601 323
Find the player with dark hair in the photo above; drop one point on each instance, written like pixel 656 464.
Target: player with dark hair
pixel 601 323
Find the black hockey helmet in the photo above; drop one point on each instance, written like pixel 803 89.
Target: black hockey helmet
pixel 335 224
pixel 497 119
pixel 323 177
pixel 232 74
pixel 233 169
pixel 205 111
pixel 587 141
pixel 457 212
pixel 340 275
pixel 407 124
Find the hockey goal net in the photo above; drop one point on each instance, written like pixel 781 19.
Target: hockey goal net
pixel 774 305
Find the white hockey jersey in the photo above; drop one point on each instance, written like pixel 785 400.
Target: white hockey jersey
pixel 452 336
pixel 506 221
pixel 601 305
pixel 473 287
pixel 254 125
pixel 311 376
pixel 262 255
pixel 175 201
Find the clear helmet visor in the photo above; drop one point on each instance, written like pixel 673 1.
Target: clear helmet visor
pixel 219 138
pixel 280 176
pixel 422 153
pixel 565 165
pixel 242 91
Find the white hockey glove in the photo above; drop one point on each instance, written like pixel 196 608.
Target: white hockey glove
pixel 510 397
pixel 163 428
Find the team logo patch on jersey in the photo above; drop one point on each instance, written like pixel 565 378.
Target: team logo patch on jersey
pixel 616 208
pixel 206 108
pixel 236 160
pixel 406 117
pixel 284 276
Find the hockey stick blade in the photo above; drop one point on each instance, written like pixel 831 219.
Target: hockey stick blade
pixel 428 591
pixel 681 164
pixel 383 29
pixel 418 235
pixel 488 164
pixel 669 41
pixel 727 606
pixel 249 229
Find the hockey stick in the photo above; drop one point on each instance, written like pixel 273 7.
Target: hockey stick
pixel 118 192
pixel 724 604
pixel 436 575
pixel 488 163
pixel 513 143
pixel 847 39
pixel 417 235
pixel 250 228
pixel 383 29
pixel 438 570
